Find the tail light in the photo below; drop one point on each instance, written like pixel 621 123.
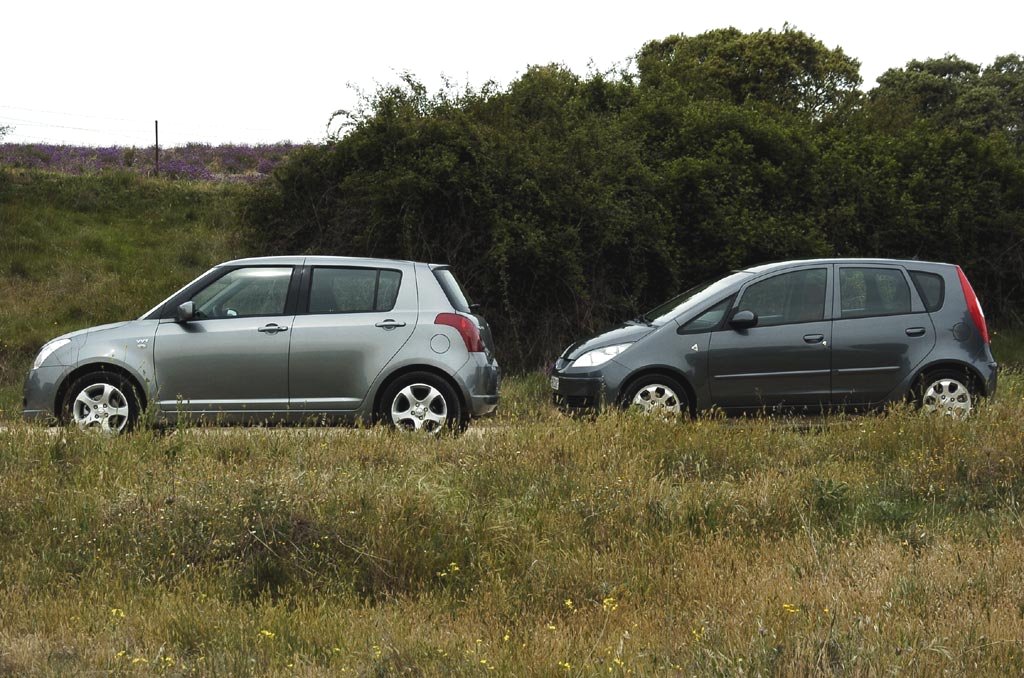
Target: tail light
pixel 466 328
pixel 973 306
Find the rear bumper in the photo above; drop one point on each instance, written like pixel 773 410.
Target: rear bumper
pixel 991 376
pixel 481 381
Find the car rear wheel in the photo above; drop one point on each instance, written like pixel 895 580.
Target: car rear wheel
pixel 947 392
pixel 658 396
pixel 421 402
pixel 101 401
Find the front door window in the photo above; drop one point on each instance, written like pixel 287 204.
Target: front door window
pixel 244 292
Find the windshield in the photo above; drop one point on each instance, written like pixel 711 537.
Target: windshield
pixel 692 297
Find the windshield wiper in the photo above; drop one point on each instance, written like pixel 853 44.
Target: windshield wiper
pixel 641 319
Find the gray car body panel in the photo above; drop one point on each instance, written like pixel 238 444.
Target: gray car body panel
pixel 867 362
pixel 322 366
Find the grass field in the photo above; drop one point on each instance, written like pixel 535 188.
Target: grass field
pixel 85 250
pixel 533 545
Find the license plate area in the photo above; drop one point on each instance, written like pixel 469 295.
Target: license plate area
pixel 554 383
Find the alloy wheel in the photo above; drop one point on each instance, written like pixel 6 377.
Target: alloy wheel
pixel 419 407
pixel 101 407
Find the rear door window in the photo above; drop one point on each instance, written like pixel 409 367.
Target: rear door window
pixel 866 292
pixel 353 290
pixel 795 297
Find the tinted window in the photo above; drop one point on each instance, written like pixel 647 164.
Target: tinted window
pixel 709 319
pixel 931 288
pixel 456 297
pixel 796 297
pixel 353 290
pixel 244 292
pixel 872 291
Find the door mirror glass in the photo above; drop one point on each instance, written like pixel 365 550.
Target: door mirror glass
pixel 743 320
pixel 186 312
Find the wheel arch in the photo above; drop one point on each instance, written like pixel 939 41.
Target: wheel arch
pixel 409 369
pixel 664 370
pixel 82 370
pixel 955 365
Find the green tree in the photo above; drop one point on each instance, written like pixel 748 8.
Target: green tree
pixel 568 202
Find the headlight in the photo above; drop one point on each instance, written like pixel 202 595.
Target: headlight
pixel 47 350
pixel 599 356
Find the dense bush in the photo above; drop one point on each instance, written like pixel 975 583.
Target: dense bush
pixel 568 202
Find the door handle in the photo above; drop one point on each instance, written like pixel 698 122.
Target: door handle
pixel 273 328
pixel 915 331
pixel 390 324
pixel 814 338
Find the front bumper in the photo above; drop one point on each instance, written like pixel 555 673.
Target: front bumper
pixel 577 395
pixel 40 392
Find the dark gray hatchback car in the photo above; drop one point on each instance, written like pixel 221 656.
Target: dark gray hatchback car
pixel 798 335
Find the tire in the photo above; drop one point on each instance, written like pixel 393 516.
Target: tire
pixel 657 395
pixel 421 402
pixel 948 392
pixel 102 401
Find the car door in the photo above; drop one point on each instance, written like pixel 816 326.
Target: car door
pixel 881 332
pixel 353 321
pixel 785 358
pixel 233 355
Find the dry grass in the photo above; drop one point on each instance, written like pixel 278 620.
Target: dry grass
pixel 534 545
pixel 540 545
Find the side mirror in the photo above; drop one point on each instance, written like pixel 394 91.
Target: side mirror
pixel 743 320
pixel 186 312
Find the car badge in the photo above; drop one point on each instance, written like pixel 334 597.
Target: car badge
pixel 695 348
pixel 141 343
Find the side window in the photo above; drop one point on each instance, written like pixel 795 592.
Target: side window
pixel 709 319
pixel 244 292
pixel 931 288
pixel 865 292
pixel 353 290
pixel 797 297
pixel 387 290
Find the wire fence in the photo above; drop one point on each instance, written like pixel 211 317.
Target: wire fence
pixel 75 143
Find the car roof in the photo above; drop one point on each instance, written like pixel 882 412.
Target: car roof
pixel 777 265
pixel 298 260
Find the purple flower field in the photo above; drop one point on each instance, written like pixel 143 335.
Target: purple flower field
pixel 201 162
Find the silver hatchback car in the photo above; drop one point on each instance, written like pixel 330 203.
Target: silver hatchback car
pixel 282 339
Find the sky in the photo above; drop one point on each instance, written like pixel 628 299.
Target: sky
pixel 99 73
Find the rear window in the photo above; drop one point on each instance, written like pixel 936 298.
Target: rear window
pixel 931 288
pixel 459 301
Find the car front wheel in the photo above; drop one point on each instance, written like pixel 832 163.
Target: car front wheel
pixel 101 401
pixel 658 396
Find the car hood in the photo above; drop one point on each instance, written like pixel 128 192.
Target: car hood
pixel 90 330
pixel 623 334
